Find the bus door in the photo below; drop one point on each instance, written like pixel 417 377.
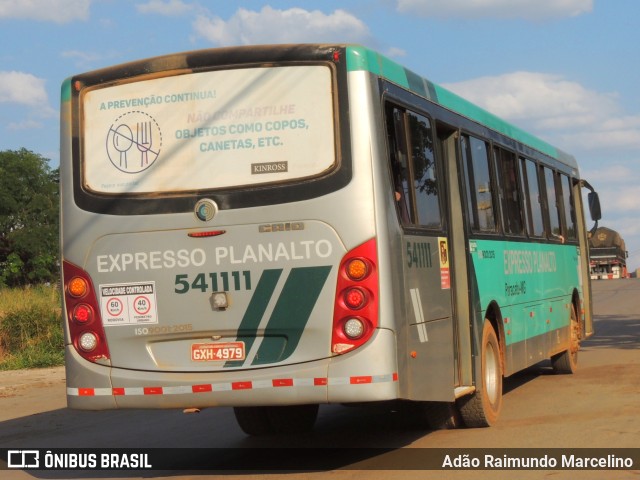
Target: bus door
pixel 448 141
pixel 418 192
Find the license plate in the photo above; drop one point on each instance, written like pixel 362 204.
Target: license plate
pixel 217 352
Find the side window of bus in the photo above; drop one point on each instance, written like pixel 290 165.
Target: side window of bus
pixel 526 208
pixel 508 191
pixel 399 163
pixel 534 200
pixel 552 204
pixel 475 160
pixel 413 167
pixel 424 170
pixel 568 207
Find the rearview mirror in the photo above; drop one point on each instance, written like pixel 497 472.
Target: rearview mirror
pixel 594 206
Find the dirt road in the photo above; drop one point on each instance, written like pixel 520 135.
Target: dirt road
pixel 596 408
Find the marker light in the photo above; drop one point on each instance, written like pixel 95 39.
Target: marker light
pixel 211 233
pixel 77 287
pixel 88 342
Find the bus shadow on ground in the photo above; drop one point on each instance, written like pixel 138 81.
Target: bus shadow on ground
pixel 211 442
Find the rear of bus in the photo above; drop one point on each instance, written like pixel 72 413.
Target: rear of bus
pixel 218 235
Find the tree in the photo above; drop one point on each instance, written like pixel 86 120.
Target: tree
pixel 29 220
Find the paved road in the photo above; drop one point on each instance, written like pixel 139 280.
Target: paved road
pixel 597 407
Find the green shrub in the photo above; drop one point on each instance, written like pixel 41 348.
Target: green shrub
pixel 30 328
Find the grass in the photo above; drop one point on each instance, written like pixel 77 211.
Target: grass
pixel 30 328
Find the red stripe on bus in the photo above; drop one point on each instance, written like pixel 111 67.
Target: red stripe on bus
pixel 241 386
pixel 320 381
pixel 282 382
pixel 86 392
pixel 359 380
pixel 395 376
pixel 201 388
pixel 117 391
pixel 153 390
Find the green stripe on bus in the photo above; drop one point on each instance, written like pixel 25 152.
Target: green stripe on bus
pixel 255 311
pixel 458 104
pixel 291 313
pixel 362 59
pixel 65 91
pixel 532 283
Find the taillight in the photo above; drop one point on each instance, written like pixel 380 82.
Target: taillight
pixel 355 315
pixel 77 287
pixel 355 298
pixel 83 314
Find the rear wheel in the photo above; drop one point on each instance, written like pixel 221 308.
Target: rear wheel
pixel 567 361
pixel 481 409
pixel 253 420
pixel 293 418
pixel 431 415
pixel 258 421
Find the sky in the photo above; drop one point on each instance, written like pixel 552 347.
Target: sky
pixel 568 71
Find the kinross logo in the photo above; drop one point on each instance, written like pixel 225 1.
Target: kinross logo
pixel 270 167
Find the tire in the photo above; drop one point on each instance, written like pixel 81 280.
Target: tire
pixel 257 421
pixel 431 415
pixel 567 361
pixel 482 408
pixel 293 418
pixel 253 420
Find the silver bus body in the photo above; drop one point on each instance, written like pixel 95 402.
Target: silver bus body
pixel 234 294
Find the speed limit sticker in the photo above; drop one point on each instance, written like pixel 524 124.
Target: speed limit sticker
pixel 128 303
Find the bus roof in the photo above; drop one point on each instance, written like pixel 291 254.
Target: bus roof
pixel 361 58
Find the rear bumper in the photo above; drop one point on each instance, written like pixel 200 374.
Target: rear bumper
pixel 367 374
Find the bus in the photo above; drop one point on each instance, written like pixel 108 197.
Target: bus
pixel 272 228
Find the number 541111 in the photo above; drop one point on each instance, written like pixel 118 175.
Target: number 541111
pixel 213 282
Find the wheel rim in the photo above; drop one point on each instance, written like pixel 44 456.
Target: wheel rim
pixel 491 372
